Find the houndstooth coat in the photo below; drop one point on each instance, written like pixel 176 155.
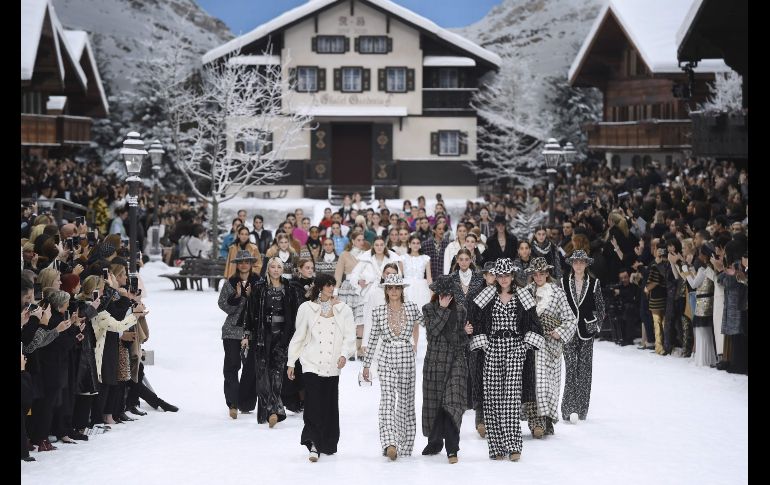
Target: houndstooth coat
pixel 445 370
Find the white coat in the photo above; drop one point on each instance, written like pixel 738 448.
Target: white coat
pixel 308 351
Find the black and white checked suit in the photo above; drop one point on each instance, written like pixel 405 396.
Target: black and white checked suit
pixel 555 316
pixel 504 368
pixel 396 369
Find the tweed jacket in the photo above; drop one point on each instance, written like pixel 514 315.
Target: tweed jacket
pixel 477 284
pixel 380 328
pixel 445 369
pixel 587 307
pixel 309 352
pixel 233 307
pixel 736 303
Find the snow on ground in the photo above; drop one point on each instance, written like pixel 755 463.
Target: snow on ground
pixel 652 420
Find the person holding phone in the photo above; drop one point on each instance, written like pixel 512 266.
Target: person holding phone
pixel 235 302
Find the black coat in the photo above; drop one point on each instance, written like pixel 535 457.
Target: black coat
pixel 526 321
pixel 263 242
pixel 493 251
pixel 55 357
pixel 257 320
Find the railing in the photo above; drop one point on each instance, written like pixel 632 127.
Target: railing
pixel 636 135
pixel 447 99
pixel 48 130
pixel 62 209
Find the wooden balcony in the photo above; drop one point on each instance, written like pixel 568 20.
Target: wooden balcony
pixel 54 131
pixel 447 101
pixel 640 135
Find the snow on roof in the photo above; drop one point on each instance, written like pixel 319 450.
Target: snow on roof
pixel 97 77
pixel 433 61
pixel 393 111
pixel 688 19
pixel 314 5
pixel 77 41
pixel 32 16
pixel 56 102
pixel 652 27
pixel 255 60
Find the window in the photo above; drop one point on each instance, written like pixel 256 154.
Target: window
pixel 447 78
pixel 351 80
pixel 374 44
pixel 449 143
pixel 330 44
pixel 396 80
pixel 259 145
pixel 307 79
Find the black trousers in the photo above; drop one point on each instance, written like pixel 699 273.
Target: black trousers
pixel 445 432
pixel 42 417
pixel 117 400
pixel 138 390
pixel 82 410
pixel 270 369
pixel 239 394
pixel 292 392
pixel 62 418
pixel 739 362
pixel 109 401
pixel 24 449
pixel 322 413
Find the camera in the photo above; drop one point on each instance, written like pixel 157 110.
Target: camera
pixel 56 239
pixel 91 238
pixel 133 284
pixel 105 273
pixel 662 252
pixel 32 307
pixel 38 292
pixel 80 220
pixel 95 295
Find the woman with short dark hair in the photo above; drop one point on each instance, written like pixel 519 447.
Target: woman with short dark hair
pixel 320 320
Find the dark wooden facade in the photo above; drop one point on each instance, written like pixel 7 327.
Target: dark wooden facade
pixel 641 112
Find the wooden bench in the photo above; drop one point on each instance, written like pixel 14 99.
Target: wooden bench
pixel 194 271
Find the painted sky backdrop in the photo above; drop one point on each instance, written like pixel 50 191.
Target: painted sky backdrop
pixel 244 15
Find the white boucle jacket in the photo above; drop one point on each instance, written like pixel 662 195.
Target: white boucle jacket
pixel 305 349
pixel 102 323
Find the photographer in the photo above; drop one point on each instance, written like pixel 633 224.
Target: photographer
pixel 678 326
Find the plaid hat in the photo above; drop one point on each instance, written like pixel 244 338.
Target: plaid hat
pixel 442 285
pixel 538 265
pixel 503 266
pixel 69 282
pixel 243 256
pixel 393 280
pixel 488 266
pixel 579 255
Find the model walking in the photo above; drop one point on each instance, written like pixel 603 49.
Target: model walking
pixel 324 336
pixel 445 371
pixel 394 323
pixel 346 286
pixel 506 326
pixel 417 273
pixel 477 357
pixel 584 296
pixel 268 332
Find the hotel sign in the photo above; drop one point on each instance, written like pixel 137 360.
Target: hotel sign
pixel 354 99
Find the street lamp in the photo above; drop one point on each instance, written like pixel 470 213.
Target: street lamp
pixel 552 153
pixel 569 159
pixel 133 153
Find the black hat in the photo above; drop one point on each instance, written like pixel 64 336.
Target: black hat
pixel 500 219
pixel 442 285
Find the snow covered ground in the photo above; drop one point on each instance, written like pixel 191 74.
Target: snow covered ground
pixel 652 420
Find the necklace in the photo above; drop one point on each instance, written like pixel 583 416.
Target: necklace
pixel 326 306
pixel 396 320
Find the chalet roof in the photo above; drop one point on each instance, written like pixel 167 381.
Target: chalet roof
pixel 651 26
pixel 313 6
pixel 33 17
pixel 84 54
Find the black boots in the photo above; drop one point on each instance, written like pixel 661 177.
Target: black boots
pixel 170 408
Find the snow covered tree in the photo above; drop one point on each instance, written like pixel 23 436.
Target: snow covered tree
pixel 524 224
pixel 512 127
pixel 236 128
pixel 726 94
pixel 572 108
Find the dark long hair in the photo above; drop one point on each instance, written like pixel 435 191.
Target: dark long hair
pixel 463 251
pixel 319 282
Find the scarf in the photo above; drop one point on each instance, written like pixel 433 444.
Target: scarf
pixel 465 276
pixel 543 250
pixel 330 257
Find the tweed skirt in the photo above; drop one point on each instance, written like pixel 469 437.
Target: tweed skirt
pixel 347 293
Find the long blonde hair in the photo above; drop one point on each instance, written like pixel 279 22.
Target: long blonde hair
pixel 47 276
pixel 618 220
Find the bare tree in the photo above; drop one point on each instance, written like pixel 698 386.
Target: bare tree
pixel 512 126
pixel 237 129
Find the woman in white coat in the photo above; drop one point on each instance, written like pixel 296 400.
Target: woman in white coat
pixel 325 334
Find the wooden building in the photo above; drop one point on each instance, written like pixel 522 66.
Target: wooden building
pixel 61 90
pixel 389 89
pixel 630 54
